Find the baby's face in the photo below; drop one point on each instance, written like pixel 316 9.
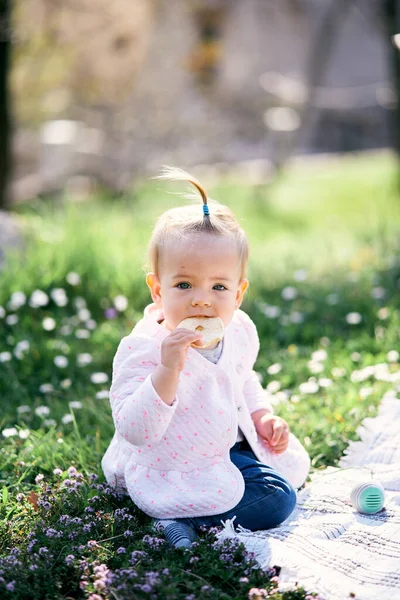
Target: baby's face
pixel 198 277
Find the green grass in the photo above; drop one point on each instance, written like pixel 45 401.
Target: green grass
pixel 331 233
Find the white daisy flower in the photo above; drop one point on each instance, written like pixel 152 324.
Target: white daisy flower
pixel 76 404
pixel 2 312
pixel 73 278
pixel 65 384
pixel 38 299
pixel 82 334
pixel 289 293
pixel 5 356
pixel 42 411
pixel 319 355
pixel 61 361
pixel 272 312
pixel 59 296
pixel 84 359
pixel 383 313
pixel 362 374
pixel 296 317
pixel 315 366
pixel 12 319
pixel 91 324
pixel 46 388
pixel 84 314
pixel 17 300
pixel 50 422
pixel 49 324
pixel 393 356
pixel 67 419
pixel 274 369
pixel 9 432
pixel 324 382
pixel 338 372
pixel 22 346
pixel 99 377
pixel 353 318
pixel 274 386
pixel 80 303
pixel 378 292
pixel 121 303
pixel 24 433
pixel 24 408
pixel 309 387
pixel 102 394
pixel 66 330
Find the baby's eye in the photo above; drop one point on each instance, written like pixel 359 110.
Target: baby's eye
pixel 183 285
pixel 219 287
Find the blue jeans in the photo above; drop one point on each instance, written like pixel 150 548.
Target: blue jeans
pixel 268 497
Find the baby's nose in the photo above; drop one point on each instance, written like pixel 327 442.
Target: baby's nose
pixel 201 300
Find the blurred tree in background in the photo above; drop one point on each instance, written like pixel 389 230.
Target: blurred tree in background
pixel 391 12
pixel 5 158
pixel 147 78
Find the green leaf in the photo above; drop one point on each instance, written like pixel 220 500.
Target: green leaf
pixel 4 495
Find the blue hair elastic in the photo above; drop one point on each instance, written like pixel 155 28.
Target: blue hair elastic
pixel 205 210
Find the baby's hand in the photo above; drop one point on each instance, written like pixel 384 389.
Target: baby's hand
pixel 275 433
pixel 174 348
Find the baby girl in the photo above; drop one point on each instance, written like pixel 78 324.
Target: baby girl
pixel 196 439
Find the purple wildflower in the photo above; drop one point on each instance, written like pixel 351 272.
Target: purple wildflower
pixel 257 593
pixel 137 555
pixel 128 533
pixel 50 533
pixel 110 313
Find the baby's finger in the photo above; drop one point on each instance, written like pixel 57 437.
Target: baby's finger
pixel 277 449
pixel 184 334
pixel 279 431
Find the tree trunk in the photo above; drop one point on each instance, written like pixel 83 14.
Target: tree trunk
pixel 5 134
pixel 391 14
pixel 321 50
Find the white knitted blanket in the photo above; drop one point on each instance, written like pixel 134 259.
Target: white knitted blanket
pixel 326 546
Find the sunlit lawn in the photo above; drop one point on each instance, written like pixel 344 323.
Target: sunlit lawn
pixel 324 293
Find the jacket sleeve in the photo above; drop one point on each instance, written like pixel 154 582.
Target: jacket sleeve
pixel 139 414
pixel 255 395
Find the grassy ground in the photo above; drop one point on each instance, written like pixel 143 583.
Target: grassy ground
pixel 325 279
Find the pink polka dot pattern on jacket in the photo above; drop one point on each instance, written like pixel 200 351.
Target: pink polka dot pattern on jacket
pixel 174 460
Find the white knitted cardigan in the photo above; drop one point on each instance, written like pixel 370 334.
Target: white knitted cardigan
pixel 174 460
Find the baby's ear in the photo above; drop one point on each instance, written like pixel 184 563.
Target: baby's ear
pixel 154 285
pixel 242 287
